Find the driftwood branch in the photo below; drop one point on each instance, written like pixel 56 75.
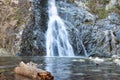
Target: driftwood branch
pixel 30 70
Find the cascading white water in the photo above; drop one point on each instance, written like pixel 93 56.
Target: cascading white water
pixel 57 43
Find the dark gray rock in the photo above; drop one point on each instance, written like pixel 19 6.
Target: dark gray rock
pixel 118 35
pixel 33 37
pixel 88 35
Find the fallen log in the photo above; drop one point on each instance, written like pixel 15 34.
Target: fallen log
pixel 30 70
pixel 20 77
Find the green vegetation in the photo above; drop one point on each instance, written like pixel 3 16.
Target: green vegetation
pixel 104 2
pixel 116 9
pixel 71 1
pixel 17 14
pixel 8 18
pixel 102 13
pixel 98 7
pixel 18 17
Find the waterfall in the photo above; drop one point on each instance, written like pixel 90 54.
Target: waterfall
pixel 57 42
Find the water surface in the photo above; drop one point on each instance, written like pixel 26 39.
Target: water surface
pixel 62 68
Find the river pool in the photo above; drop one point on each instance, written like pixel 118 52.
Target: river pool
pixel 62 68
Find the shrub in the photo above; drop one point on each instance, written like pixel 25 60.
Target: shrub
pixel 100 11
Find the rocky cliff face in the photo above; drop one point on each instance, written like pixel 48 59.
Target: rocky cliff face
pixel 93 26
pixel 93 29
pixel 33 37
pixel 13 16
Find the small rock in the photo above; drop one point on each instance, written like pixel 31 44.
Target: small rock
pixel 117 61
pixel 97 60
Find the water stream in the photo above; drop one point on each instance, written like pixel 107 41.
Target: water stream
pixel 57 42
